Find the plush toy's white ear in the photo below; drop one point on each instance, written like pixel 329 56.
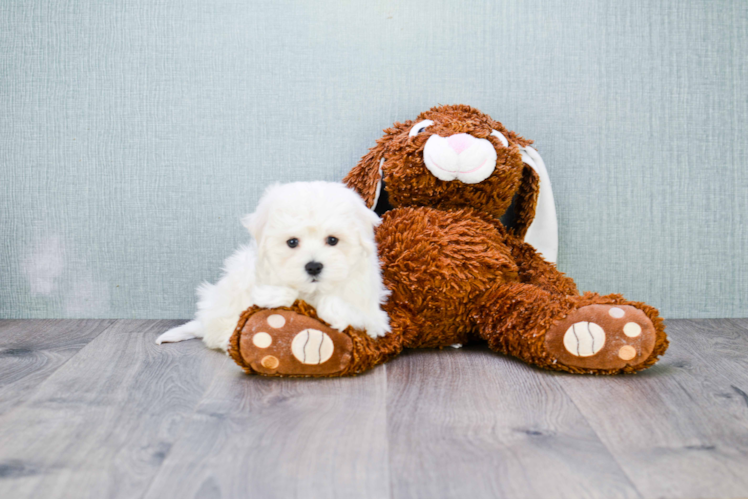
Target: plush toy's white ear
pixel 543 231
pixel 378 192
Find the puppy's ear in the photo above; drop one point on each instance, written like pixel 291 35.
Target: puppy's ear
pixel 366 221
pixel 366 177
pixel 536 208
pixel 255 222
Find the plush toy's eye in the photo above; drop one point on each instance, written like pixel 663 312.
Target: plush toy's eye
pixel 332 241
pixel 293 242
pixel 419 127
pixel 501 137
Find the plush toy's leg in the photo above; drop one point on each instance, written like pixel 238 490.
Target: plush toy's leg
pixel 578 334
pixel 295 342
pixel 534 270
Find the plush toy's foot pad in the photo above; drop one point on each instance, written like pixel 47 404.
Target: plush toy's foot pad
pixel 602 337
pixel 282 342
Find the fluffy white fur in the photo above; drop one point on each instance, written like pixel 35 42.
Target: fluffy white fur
pixel 269 273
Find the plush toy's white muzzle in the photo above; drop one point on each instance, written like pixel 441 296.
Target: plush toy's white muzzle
pixel 460 156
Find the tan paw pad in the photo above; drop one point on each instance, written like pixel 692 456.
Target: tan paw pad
pixel 616 312
pixel 627 353
pixel 270 362
pixel 584 339
pixel 262 340
pixel 276 320
pixel 632 329
pixel 312 347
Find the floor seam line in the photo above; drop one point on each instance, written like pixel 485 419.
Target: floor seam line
pixel 189 418
pixel 610 452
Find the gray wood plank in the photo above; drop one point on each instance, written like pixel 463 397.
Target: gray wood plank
pixel 31 350
pixel 101 425
pixel 740 322
pixel 471 423
pixel 721 343
pixel 282 438
pixel 678 429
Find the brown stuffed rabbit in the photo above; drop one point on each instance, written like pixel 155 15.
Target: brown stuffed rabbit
pixel 456 273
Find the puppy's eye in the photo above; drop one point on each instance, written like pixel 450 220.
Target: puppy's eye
pixel 500 136
pixel 293 242
pixel 419 127
pixel 332 241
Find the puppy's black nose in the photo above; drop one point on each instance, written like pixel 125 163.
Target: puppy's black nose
pixel 313 268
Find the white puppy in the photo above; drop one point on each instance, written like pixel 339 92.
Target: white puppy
pixel 312 241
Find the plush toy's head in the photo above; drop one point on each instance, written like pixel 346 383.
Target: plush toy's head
pixel 453 157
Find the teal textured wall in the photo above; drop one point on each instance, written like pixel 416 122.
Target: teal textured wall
pixel 133 135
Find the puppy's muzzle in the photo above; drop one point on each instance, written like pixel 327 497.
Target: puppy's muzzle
pixel 313 268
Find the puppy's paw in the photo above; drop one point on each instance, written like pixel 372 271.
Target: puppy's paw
pixel 338 313
pixel 379 326
pixel 172 336
pixel 273 296
pixel 179 333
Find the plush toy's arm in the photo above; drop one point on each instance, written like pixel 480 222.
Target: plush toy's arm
pixel 533 268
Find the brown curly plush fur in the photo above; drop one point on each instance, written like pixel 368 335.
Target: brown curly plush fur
pixel 455 272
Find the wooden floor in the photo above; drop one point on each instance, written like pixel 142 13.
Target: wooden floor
pixel 95 409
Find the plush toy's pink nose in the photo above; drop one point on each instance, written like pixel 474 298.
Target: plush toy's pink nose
pixel 460 142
